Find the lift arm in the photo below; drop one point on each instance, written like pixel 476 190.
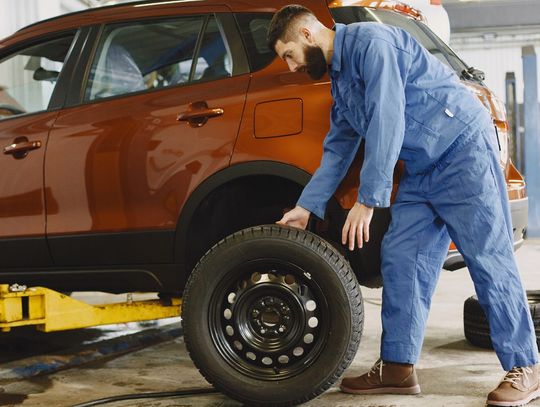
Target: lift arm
pixel 50 310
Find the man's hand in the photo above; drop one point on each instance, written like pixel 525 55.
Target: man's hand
pixel 297 217
pixel 357 225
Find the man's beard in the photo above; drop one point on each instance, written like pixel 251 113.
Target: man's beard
pixel 316 65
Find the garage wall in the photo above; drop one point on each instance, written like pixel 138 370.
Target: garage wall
pixel 489 34
pixel 15 14
pixel 496 53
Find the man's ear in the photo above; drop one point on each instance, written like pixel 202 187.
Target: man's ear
pixel 306 34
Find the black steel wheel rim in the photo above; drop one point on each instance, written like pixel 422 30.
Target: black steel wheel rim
pixel 269 319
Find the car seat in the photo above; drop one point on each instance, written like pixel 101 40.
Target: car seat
pixel 118 75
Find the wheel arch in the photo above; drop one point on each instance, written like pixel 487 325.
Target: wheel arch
pixel 202 203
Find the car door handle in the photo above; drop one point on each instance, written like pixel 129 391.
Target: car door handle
pixel 20 147
pixel 199 113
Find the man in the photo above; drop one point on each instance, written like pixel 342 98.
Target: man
pixel 405 104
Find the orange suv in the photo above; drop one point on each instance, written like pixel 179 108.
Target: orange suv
pixel 137 136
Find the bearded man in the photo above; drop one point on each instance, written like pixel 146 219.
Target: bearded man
pixel 391 92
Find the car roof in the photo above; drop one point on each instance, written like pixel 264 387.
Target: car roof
pixel 392 5
pixel 138 9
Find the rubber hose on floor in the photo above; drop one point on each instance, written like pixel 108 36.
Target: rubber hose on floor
pixel 162 394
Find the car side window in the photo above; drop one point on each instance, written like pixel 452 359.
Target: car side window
pixel 150 55
pixel 253 28
pixel 213 59
pixel 28 77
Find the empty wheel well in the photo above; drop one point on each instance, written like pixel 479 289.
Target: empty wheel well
pixel 238 204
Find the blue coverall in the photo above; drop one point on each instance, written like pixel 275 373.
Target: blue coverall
pixel 406 104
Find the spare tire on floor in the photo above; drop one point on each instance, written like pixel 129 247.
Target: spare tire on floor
pixel 476 325
pixel 272 316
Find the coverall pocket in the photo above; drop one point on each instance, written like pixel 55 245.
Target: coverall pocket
pixel 469 175
pixel 419 139
pixel 352 97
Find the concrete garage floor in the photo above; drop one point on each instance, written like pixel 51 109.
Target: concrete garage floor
pixel 451 372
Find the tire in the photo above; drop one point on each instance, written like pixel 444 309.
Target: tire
pixel 272 316
pixel 476 325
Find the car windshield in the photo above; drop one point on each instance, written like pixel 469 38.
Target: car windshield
pixel 354 14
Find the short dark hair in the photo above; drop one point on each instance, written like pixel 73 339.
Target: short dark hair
pixel 281 22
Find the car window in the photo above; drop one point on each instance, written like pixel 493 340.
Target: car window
pixel 213 57
pixel 253 27
pixel 417 29
pixel 150 55
pixel 28 77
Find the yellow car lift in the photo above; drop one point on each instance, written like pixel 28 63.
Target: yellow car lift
pixel 50 310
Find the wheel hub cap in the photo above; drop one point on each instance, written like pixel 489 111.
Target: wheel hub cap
pixel 270 323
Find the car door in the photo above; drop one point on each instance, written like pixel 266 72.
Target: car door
pixel 29 98
pixel 159 112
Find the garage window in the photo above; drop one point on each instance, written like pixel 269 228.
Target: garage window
pixel 150 55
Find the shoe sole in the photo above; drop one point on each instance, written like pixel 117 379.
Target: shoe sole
pixel 383 390
pixel 516 403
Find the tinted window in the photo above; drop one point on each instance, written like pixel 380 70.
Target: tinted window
pixel 253 27
pixel 144 56
pixel 348 15
pixel 28 78
pixel 213 57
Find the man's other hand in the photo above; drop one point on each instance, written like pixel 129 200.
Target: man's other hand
pixel 356 226
pixel 297 217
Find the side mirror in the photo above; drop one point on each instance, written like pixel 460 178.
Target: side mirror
pixel 41 74
pixel 473 73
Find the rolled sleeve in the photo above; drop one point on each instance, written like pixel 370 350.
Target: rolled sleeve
pixel 339 149
pixel 384 68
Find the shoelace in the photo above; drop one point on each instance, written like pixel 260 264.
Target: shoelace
pixel 377 367
pixel 514 375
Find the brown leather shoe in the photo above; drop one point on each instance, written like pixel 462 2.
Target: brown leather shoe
pixel 384 378
pixel 518 387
